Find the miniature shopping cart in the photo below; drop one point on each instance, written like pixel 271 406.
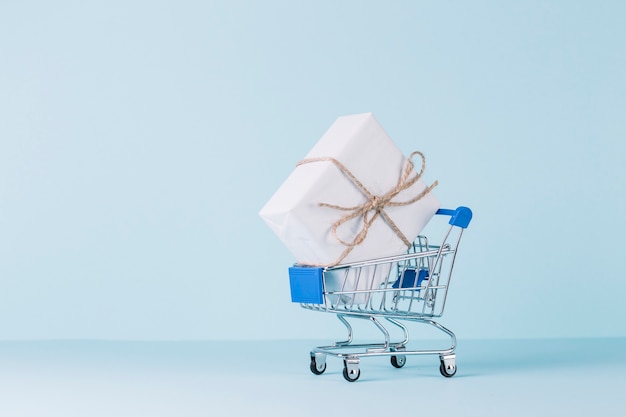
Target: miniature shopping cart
pixel 407 288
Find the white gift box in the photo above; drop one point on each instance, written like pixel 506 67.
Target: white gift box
pixel 332 199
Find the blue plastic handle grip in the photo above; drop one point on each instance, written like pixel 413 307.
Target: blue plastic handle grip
pixel 460 217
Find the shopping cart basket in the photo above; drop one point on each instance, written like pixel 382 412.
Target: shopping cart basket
pixel 412 288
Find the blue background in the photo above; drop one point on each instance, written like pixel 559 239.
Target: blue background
pixel 139 139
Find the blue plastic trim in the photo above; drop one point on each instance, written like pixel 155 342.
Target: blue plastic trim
pixel 409 278
pixel 306 285
pixel 460 217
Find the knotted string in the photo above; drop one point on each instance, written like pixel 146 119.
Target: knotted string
pixel 375 205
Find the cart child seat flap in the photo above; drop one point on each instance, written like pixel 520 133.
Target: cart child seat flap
pixel 411 278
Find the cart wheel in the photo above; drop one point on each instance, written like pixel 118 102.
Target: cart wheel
pixel 317 369
pixel 398 361
pixel 351 376
pixel 447 371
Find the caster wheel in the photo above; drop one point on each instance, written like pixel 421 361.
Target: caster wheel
pixel 447 371
pixel 398 361
pixel 351 376
pixel 317 368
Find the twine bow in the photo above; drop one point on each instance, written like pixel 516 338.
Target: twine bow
pixel 375 205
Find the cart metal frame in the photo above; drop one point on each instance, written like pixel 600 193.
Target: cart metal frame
pixel 407 288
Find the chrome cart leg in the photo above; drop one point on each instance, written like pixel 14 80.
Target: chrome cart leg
pixel 404 330
pixel 448 365
pixel 447 358
pixel 446 331
pixel 351 371
pixel 384 331
pixel 349 327
pixel 450 350
pixel 318 363
pixel 398 361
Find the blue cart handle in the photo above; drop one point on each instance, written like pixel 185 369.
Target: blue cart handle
pixel 460 217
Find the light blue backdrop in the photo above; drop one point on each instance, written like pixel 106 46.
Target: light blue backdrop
pixel 139 139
